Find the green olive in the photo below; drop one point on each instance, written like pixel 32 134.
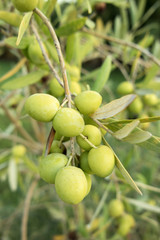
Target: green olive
pixel 84 163
pixel 42 107
pixel 50 165
pixel 18 151
pixel 136 106
pixel 101 161
pixel 89 182
pixel 71 184
pixel 125 88
pixel 88 102
pixel 25 5
pixel 126 222
pixel 55 88
pixel 75 87
pixel 35 53
pixel 93 134
pixel 116 208
pixel 150 99
pixel 56 147
pixel 68 122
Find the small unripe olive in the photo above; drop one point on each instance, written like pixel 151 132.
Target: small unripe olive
pixel 116 208
pixel 101 161
pixel 88 102
pixel 25 5
pixel 56 147
pixel 42 107
pixel 55 88
pixel 75 87
pixel 50 165
pixel 145 125
pixel 35 53
pixel 150 99
pixel 84 163
pixel 18 151
pixel 125 88
pixel 136 106
pixel 93 134
pixel 71 184
pixel 89 120
pixel 68 122
pixel 89 182
pixel 126 222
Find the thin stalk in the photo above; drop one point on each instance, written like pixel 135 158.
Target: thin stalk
pixel 59 52
pixel 124 43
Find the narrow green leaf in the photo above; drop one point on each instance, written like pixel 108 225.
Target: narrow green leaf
pixel 138 136
pixel 11 18
pixel 49 7
pixel 151 73
pixel 134 11
pixel 23 81
pixel 104 74
pixel 152 144
pixel 126 130
pixel 89 7
pixel 118 27
pixel 11 41
pixel 123 171
pixel 12 175
pixel 114 107
pixel 141 8
pixel 143 205
pixel 71 27
pixel 23 26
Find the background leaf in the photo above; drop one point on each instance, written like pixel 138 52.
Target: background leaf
pixel 71 27
pixel 12 175
pixel 23 81
pixel 23 26
pixel 114 107
pixel 103 75
pixel 123 171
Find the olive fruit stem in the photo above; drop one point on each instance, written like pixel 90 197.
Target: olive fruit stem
pixel 85 138
pixel 59 52
pixel 69 161
pixel 48 61
pixel 102 126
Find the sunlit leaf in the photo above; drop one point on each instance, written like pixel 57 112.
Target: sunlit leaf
pixel 114 107
pixel 103 75
pixel 138 136
pixel 126 130
pixel 11 41
pixel 23 81
pixel 23 26
pixel 11 18
pixel 49 7
pixel 143 205
pixel 123 171
pixel 12 175
pixel 71 27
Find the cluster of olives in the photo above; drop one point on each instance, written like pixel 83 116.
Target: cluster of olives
pixel 72 183
pixel 124 220
pixel 137 106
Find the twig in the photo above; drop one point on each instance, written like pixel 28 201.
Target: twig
pixel 17 124
pixel 102 126
pixel 124 43
pixel 35 147
pixel 48 61
pixel 49 141
pixel 59 52
pixel 92 145
pixel 26 210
